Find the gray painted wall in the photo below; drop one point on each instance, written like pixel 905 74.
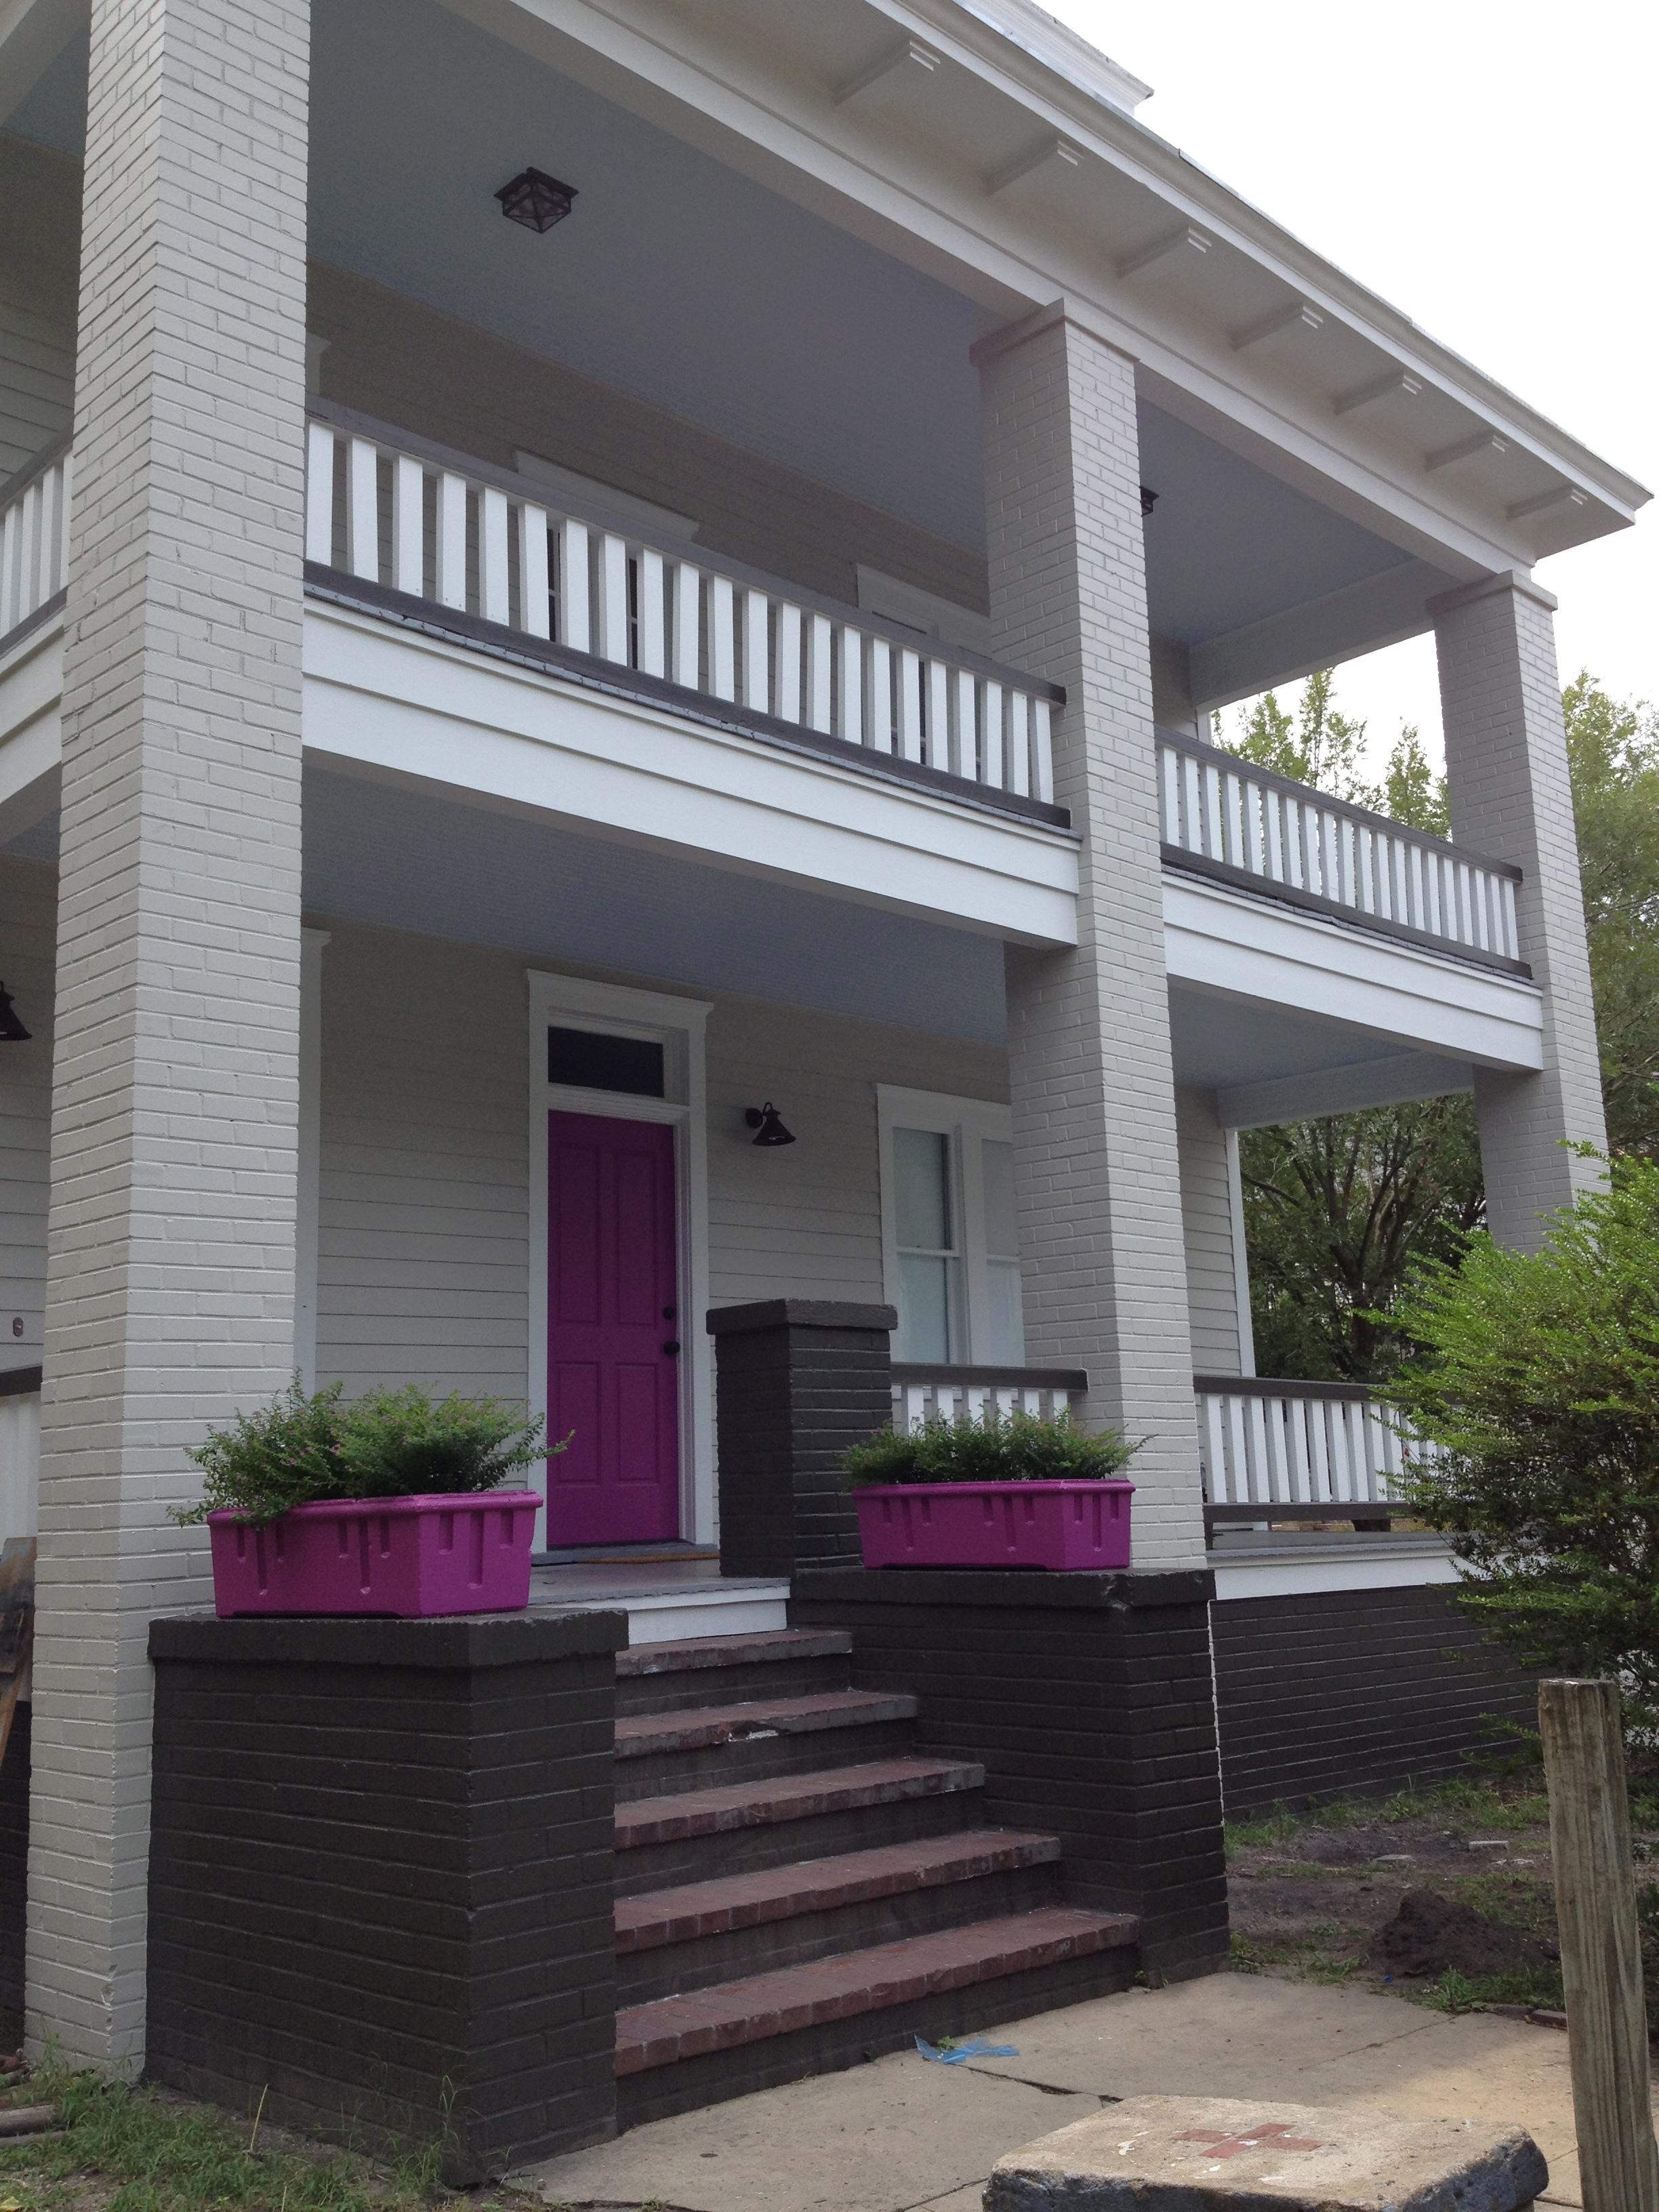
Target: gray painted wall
pixel 39 252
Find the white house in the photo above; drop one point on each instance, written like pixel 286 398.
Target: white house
pixel 488 710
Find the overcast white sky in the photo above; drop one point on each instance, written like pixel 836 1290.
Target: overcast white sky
pixel 1492 171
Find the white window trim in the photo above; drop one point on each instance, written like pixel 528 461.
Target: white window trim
pixel 957 1119
pixel 1241 1257
pixel 934 616
pixel 663 520
pixel 307 1192
pixel 679 1026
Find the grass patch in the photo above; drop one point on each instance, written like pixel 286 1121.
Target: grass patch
pixel 1326 1954
pixel 125 2149
pixel 1452 1992
pixel 1468 1806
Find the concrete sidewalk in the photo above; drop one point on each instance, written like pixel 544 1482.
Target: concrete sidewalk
pixel 902 2135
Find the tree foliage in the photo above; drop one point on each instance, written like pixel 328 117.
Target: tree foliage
pixel 1336 1209
pixel 1536 1375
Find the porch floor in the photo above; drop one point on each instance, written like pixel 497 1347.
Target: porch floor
pixel 666 1599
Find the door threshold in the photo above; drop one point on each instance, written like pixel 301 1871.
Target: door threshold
pixel 665 1553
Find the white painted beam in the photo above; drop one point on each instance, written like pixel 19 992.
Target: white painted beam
pixel 1394 1081
pixel 1360 617
pixel 33 33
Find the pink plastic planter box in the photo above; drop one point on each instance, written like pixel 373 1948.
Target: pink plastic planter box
pixel 411 1557
pixel 1063 1525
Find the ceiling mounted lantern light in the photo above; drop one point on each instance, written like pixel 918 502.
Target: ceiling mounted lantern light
pixel 11 1027
pixel 1148 500
pixel 768 1123
pixel 536 200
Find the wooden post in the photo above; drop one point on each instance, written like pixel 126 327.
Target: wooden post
pixel 1601 1947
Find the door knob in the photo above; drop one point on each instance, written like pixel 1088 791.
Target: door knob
pixel 670 1346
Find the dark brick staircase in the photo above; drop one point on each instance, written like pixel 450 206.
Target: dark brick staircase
pixel 797 1887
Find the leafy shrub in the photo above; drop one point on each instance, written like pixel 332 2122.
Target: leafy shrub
pixel 1538 1377
pixel 998 1447
pixel 305 1448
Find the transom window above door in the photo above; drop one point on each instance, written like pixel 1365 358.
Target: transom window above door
pixel 601 1059
pixel 949 1240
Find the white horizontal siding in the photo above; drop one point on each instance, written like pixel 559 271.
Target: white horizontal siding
pixel 1206 1215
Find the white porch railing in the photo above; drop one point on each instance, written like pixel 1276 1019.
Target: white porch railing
pixel 950 1394
pixel 34 536
pixel 1296 1451
pixel 20 1453
pixel 487 543
pixel 1225 812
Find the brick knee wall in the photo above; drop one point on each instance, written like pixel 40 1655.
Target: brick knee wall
pixel 1088 1700
pixel 13 1877
pixel 1327 1693
pixel 381 1878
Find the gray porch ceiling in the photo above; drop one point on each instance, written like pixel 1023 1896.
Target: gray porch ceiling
pixel 698 290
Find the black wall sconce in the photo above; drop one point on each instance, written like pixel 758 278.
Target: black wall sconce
pixel 536 200
pixel 11 1026
pixel 1148 500
pixel 767 1124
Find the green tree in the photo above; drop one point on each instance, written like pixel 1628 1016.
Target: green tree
pixel 1537 1377
pixel 1336 1210
pixel 1613 748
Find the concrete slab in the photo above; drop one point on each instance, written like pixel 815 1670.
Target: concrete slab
pixel 896 2135
pixel 1182 2154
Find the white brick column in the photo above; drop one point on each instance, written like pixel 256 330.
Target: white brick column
pixel 1511 797
pixel 171 1240
pixel 1099 1187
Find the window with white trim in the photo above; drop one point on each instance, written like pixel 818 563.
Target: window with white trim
pixel 951 1245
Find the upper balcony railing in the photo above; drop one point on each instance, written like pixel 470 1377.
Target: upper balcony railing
pixel 434 525
pixel 34 536
pixel 1224 817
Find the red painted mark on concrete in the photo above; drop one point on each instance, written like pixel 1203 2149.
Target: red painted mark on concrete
pixel 1271 2135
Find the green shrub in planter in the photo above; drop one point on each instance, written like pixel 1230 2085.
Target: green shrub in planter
pixel 998 1447
pixel 305 1447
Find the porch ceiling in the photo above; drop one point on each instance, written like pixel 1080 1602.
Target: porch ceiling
pixel 695 288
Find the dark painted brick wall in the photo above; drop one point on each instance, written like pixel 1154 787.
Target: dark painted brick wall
pixel 13 1877
pixel 381 1873
pixel 800 1382
pixel 1322 1694
pixel 1088 1700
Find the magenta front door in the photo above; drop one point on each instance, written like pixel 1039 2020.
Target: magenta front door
pixel 613 1331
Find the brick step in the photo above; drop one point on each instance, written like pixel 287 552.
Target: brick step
pixel 701 1747
pixel 722 2040
pixel 692 1835
pixel 707 1670
pixel 669 1941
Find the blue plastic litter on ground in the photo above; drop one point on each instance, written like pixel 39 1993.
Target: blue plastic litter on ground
pixel 960 2053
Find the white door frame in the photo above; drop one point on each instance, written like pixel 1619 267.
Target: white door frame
pixel 679 1025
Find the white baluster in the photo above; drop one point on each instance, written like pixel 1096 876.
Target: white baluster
pixel 1300 1474
pixel 409 527
pixel 789 661
pixel 1273 810
pixel 820 674
pixel 850 684
pixel 1214 842
pixel 1511 936
pixel 575 599
pixel 964 727
pixel 493 597
pixel 938 715
pixel 535 610
pixel 687 625
pixel 452 540
pixel 319 494
pixel 993 766
pixel 1019 744
pixel 1042 751
pixel 757 652
pixel 51 533
pixel 881 696
pixel 1168 794
pixel 610 615
pixel 363 509
pixel 722 658
pixel 12 570
pixel 909 666
pixel 653 613
pixel 1192 810
pixel 1277 1415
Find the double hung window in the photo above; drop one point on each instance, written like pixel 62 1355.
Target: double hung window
pixel 951 1249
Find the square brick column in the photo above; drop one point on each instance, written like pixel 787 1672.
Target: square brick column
pixel 171 1237
pixel 799 1382
pixel 381 1878
pixel 1511 797
pixel 1096 1169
